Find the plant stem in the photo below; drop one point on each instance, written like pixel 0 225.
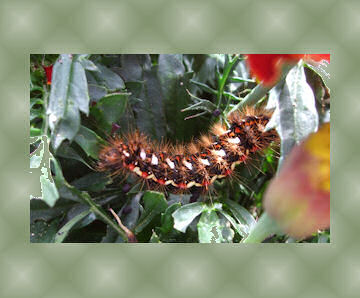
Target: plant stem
pixel 260 91
pixel 222 81
pixel 45 101
pixel 98 211
pixel 129 234
pixel 253 97
pixel 265 227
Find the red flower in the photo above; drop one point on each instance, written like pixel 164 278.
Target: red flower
pixel 267 67
pixel 299 197
pixel 317 57
pixel 48 72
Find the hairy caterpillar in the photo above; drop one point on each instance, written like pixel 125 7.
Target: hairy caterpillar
pixel 194 166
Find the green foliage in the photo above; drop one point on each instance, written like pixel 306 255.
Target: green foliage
pixel 172 97
pixel 295 114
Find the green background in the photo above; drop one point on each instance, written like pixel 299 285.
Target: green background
pixel 176 270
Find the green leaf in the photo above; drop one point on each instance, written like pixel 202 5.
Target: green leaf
pixel 64 231
pixel 154 238
pixel 36 113
pixel 130 219
pixel 109 109
pixel 76 210
pixel 204 67
pixel 265 227
pixel 68 96
pixel 66 190
pixel 323 239
pixel 201 104
pixel 241 80
pixel 241 215
pixel 167 221
pixel 227 233
pixel 67 127
pixel 320 70
pixel 232 96
pixel 240 228
pixel 183 199
pixel 186 214
pixel 111 236
pixel 295 116
pixel 96 92
pixel 321 93
pixel 171 65
pixel 49 191
pixel 60 87
pixel 87 64
pixel 204 87
pixel 35 160
pixel 174 83
pixel 43 232
pixel 34 88
pixel 37 156
pixel 149 110
pixel 89 141
pixel 34 132
pixel 39 210
pixel 154 204
pixel 229 66
pixel 209 227
pixel 212 228
pixel 66 151
pixel 94 182
pixel 132 66
pixel 107 78
pixel 78 89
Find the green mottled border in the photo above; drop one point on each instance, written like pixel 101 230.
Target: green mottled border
pixel 178 270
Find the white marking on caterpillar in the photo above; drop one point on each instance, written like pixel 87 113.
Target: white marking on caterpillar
pixel 137 171
pixel 173 183
pixel 233 165
pixel 126 153
pixel 170 163
pixel 151 177
pixel 205 162
pixel 142 154
pixel 154 160
pixel 234 140
pixel 221 152
pixel 213 179
pixel 191 184
pixel 188 165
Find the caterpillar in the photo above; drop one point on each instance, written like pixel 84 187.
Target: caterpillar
pixel 194 166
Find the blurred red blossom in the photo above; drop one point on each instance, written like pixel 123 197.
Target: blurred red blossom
pixel 267 67
pixel 299 197
pixel 48 71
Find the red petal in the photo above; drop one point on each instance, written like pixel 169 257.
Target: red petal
pixel 318 57
pixel 267 67
pixel 299 197
pixel 48 72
